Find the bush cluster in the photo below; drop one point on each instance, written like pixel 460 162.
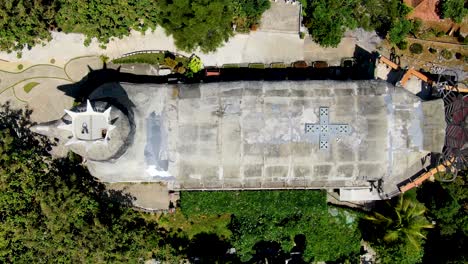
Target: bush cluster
pixel 416 48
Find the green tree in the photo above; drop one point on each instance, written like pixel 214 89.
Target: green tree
pixel 105 19
pixel 54 211
pixel 248 13
pixel 196 24
pixel 328 20
pixel 195 64
pixel 454 9
pixel 400 29
pixel 398 230
pixel 447 204
pixel 25 23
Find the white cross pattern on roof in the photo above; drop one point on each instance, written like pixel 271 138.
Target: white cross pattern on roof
pixel 325 130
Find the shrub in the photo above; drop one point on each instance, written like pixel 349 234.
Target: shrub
pixel 399 30
pixel 437 32
pixel 459 56
pixel 416 48
pixel 446 54
pixel 302 35
pixel 170 63
pixel 416 26
pixel 20 67
pixel 52 61
pixel 402 45
pixel 432 50
pixel 195 64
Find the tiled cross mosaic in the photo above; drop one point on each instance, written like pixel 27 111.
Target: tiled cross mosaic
pixel 325 130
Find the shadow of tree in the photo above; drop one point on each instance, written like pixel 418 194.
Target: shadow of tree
pixel 208 248
pixel 268 252
pixel 18 121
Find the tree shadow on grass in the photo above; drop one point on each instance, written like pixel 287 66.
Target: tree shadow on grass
pixel 209 248
pixel 268 252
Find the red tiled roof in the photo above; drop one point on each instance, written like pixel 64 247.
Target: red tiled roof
pixel 423 9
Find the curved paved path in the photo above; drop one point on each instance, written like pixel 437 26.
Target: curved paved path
pixel 46 101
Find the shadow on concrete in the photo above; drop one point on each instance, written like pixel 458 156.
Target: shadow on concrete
pixel 363 69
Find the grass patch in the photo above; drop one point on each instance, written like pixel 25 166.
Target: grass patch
pixel 29 86
pixel 331 233
pixel 149 58
pixel 194 225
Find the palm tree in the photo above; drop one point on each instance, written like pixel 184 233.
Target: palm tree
pixel 406 221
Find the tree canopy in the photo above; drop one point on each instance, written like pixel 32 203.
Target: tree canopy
pixel 193 23
pixel 247 13
pixel 397 229
pixel 54 211
pixel 196 23
pixel 25 23
pixel 104 19
pixel 448 207
pixel 328 20
pixel 454 9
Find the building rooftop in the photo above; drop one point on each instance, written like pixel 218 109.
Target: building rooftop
pixel 254 135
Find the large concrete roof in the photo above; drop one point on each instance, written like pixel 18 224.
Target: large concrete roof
pixel 252 134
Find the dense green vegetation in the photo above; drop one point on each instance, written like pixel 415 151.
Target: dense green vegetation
pixel 177 63
pixel 454 9
pixel 28 22
pixel 247 13
pixel 264 219
pixel 328 20
pixel 397 230
pixel 54 211
pixel 24 23
pixel 196 23
pixel 193 23
pixel 104 19
pixel 448 207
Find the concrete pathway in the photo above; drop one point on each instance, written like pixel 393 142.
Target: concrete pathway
pixel 257 46
pixel 46 101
